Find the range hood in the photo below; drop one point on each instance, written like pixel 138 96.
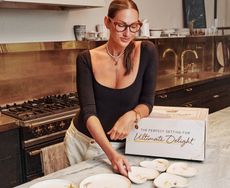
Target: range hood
pixel 51 4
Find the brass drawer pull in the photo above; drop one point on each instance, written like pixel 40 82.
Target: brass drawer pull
pixel 216 96
pixel 188 89
pixel 35 152
pixel 163 96
pixel 188 105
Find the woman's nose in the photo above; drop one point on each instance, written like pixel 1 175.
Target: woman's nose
pixel 126 32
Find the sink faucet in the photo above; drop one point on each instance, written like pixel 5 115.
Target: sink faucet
pixel 182 59
pixel 175 57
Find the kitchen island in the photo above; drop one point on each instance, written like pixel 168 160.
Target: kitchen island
pixel 213 172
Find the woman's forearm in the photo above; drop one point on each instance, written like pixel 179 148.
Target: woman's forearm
pixel 118 161
pixel 95 128
pixel 142 110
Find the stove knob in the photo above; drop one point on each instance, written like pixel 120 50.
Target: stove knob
pixel 50 127
pixel 38 131
pixel 62 124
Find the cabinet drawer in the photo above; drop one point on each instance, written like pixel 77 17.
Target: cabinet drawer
pixel 194 95
pixel 181 96
pixel 10 159
pixel 206 89
pixel 214 102
pixel 10 143
pixel 169 98
pixel 12 171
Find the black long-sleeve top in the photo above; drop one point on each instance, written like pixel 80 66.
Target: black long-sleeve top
pixel 109 104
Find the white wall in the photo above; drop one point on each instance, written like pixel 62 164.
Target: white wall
pixel 221 12
pixel 43 25
pixel 162 13
pixel 227 10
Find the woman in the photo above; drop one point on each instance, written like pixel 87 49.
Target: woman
pixel 115 84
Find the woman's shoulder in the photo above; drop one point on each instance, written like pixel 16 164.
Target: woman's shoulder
pixel 83 54
pixel 148 48
pixel 148 45
pixel 149 51
pixel 98 50
pixel 145 46
pixel 97 55
pixel 83 59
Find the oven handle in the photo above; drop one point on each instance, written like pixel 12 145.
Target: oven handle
pixel 42 139
pixel 35 152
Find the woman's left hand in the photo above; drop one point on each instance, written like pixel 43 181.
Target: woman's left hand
pixel 123 126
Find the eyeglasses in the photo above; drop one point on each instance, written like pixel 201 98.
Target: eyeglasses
pixel 122 26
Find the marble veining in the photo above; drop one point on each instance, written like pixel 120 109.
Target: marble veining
pixel 213 172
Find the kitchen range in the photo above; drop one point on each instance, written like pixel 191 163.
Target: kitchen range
pixel 42 122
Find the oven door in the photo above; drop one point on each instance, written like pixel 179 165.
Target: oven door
pixel 31 154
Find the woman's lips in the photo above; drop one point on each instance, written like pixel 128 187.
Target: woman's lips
pixel 125 39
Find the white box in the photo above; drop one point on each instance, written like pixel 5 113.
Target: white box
pixel 171 132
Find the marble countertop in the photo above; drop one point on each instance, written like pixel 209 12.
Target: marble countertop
pixel 213 172
pixel 166 82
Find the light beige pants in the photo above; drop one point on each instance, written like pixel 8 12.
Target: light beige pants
pixel 80 147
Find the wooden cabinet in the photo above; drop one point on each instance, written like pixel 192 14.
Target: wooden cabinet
pixel 10 162
pixel 51 5
pixel 212 94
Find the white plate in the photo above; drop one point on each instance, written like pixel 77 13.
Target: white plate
pixel 182 169
pixel 166 180
pixel 54 183
pixel 106 181
pixel 140 175
pixel 157 164
pixel 220 54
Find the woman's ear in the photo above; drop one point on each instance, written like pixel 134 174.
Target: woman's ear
pixel 106 22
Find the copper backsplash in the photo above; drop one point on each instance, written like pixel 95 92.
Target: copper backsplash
pixel 33 70
pixel 30 75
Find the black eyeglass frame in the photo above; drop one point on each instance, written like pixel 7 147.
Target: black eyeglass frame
pixel 126 25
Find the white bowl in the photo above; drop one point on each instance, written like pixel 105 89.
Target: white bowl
pixel 155 33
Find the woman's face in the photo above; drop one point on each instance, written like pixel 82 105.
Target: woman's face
pixel 120 34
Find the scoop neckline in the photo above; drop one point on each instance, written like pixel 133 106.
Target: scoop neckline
pixel 117 89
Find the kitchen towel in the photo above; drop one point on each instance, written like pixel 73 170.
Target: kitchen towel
pixel 54 158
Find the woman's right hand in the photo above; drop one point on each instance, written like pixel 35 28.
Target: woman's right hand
pixel 120 164
pixel 123 126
